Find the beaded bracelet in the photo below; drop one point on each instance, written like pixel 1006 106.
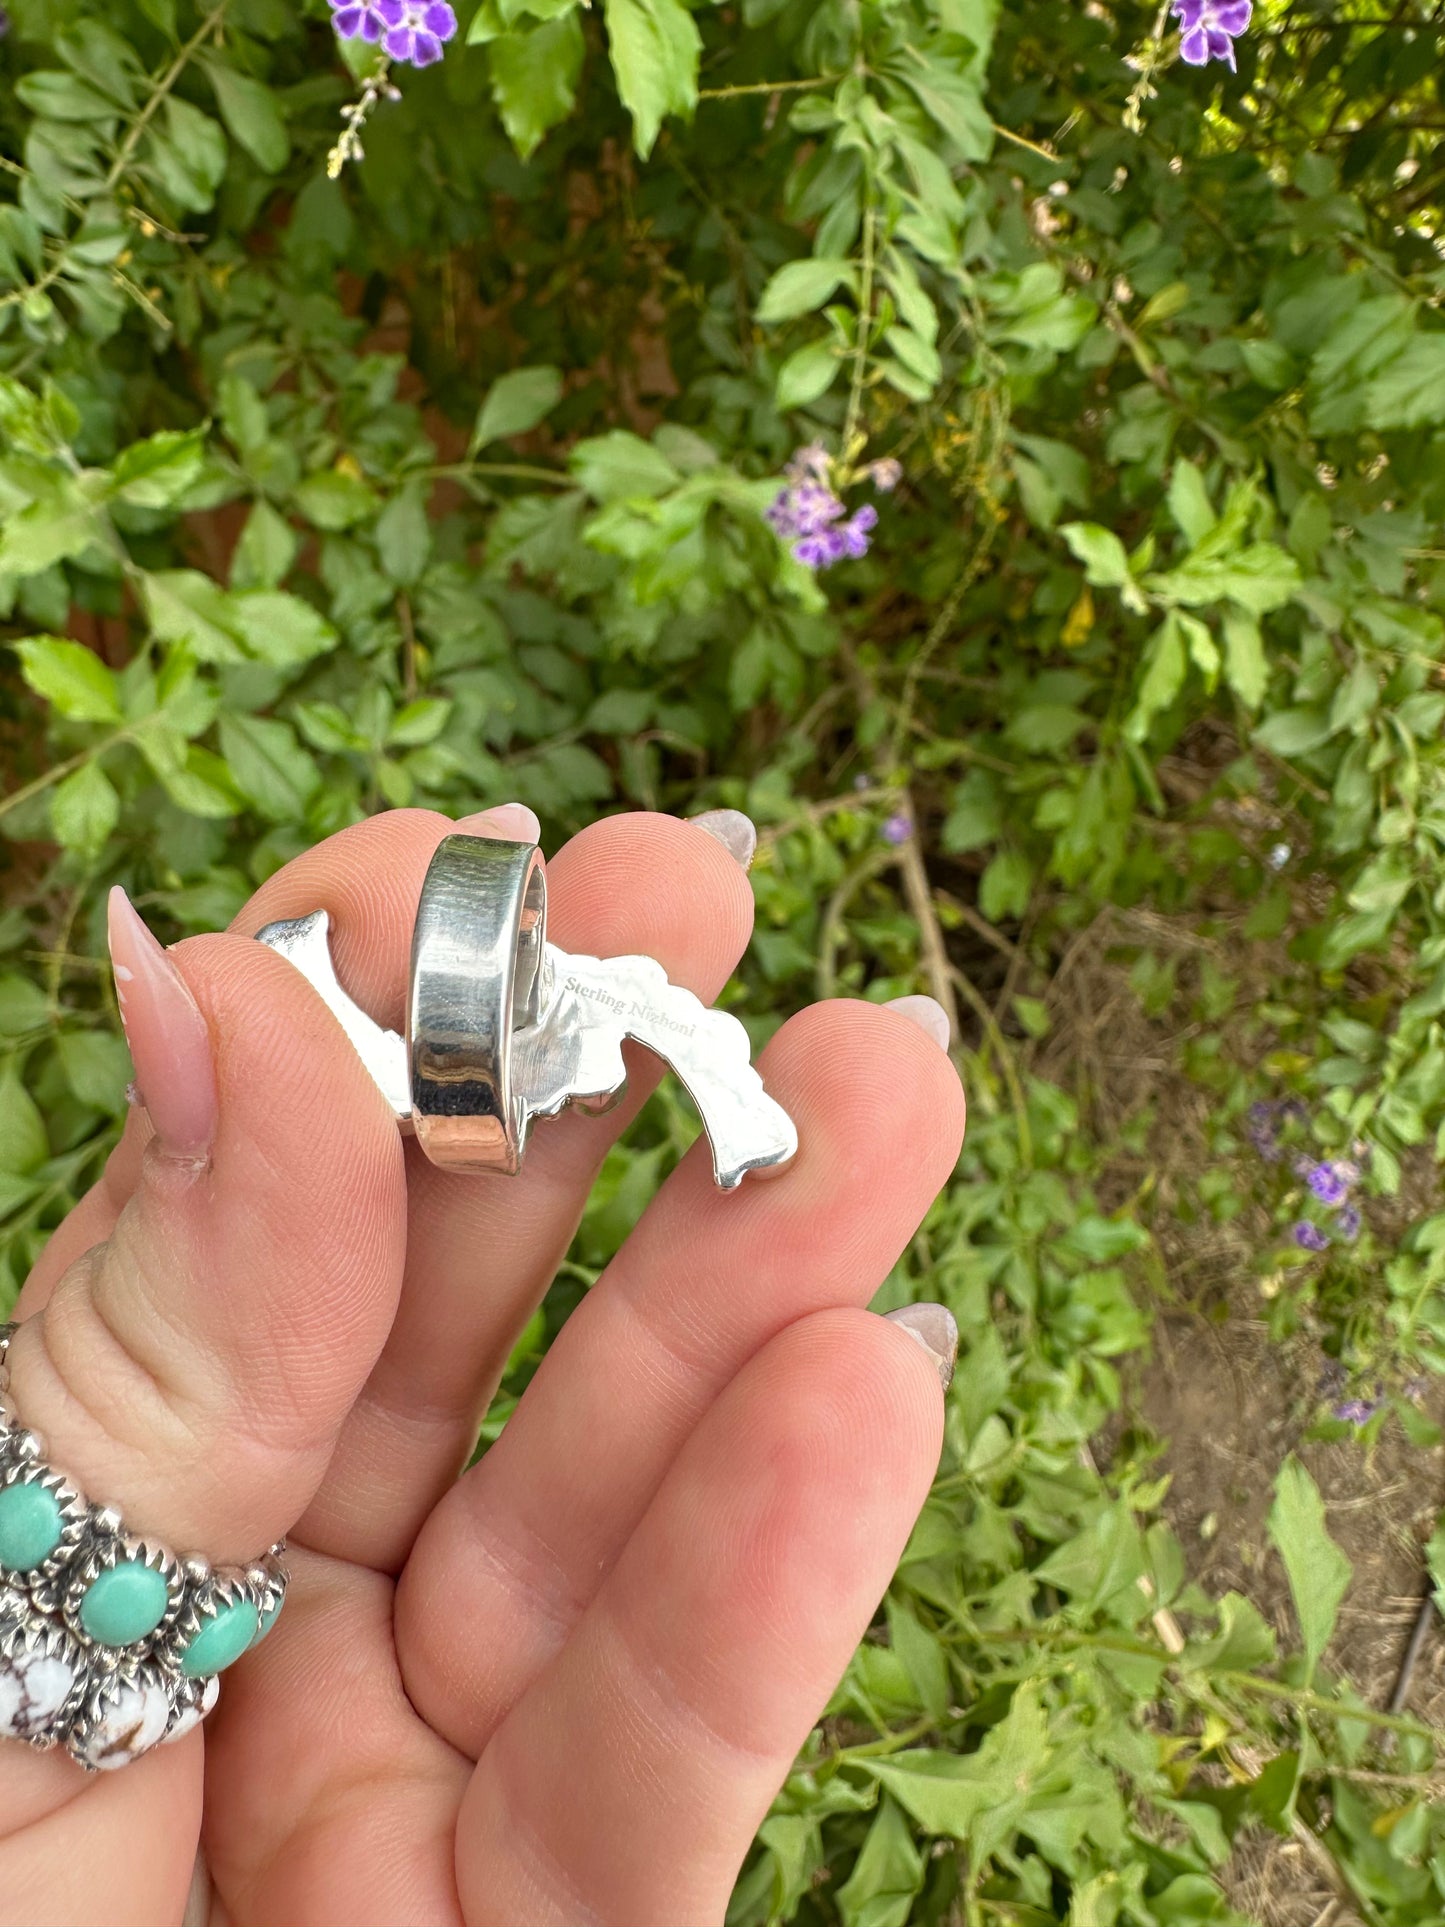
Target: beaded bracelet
pixel 110 1644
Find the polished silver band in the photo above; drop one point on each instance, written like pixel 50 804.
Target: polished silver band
pixel 478 960
pixel 110 1643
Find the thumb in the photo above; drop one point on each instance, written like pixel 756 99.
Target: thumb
pixel 194 1368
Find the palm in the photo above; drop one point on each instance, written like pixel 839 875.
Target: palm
pixel 566 1685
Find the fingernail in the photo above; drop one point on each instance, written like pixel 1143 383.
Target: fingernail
pixel 927 1013
pixel 736 833
pixel 934 1328
pixel 509 822
pixel 170 1044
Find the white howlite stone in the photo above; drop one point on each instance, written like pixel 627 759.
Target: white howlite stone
pixel 191 1718
pixel 33 1688
pixel 132 1719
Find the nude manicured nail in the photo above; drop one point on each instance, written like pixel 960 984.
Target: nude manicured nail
pixel 927 1013
pixel 170 1044
pixel 510 822
pixel 737 833
pixel 933 1327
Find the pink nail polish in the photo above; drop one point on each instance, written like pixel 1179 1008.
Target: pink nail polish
pixel 510 822
pixel 170 1044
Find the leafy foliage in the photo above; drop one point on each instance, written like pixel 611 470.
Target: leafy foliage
pixel 444 482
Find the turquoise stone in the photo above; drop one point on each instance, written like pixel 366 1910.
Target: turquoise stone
pixel 221 1640
pixel 267 1621
pixel 124 1604
pixel 30 1526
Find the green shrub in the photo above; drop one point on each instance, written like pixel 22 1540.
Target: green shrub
pixel 441 478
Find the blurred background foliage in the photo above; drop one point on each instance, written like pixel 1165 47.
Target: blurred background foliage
pixel 442 481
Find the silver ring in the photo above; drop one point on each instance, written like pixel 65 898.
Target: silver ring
pixel 504 1028
pixel 477 959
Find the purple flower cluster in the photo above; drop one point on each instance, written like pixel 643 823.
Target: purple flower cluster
pixel 1332 1181
pixel 1209 29
pixel 1358 1411
pixel 809 515
pixel 409 30
pixel 898 828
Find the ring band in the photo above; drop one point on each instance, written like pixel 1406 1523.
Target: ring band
pixel 110 1643
pixel 478 963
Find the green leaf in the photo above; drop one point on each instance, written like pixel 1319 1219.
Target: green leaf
pixel 801 287
pixel 1318 1571
pixel 279 628
pixel 84 810
pixel 886 1876
pixel 1435 1561
pixel 1189 503
pixel 252 116
pixel 189 157
pixel 807 373
pixel 516 402
pixel 157 472
pixel 334 499
pixel 620 467
pixel 1165 667
pixel 43 534
pixel 97 1068
pixel 265 551
pixel 71 678
pixel 59 96
pixel 1005 886
pixel 403 536
pixel 419 722
pixel 655 47
pixel 534 78
pixel 185 606
pixel 1246 668
pixel 1410 391
pixel 270 768
pixel 23 1140
pixel 1106 563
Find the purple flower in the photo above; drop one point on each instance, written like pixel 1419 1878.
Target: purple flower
pixel 808 514
pixel 885 474
pixel 819 551
pixel 898 829
pixel 357 19
pixel 1209 28
pixel 854 531
pixel 1357 1411
pixel 1329 1182
pixel 1309 1237
pixel 1261 1128
pixel 1348 1224
pixel 811 463
pixel 414 30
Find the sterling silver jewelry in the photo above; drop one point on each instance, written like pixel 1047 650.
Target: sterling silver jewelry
pixel 504 1028
pixel 109 1644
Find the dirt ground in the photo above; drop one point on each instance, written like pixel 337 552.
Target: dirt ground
pixel 1231 1401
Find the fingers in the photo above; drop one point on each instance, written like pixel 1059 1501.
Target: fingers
pixel 482 1251
pixel 193 1368
pixel 528 1536
pixel 694 1676
pixel 359 1828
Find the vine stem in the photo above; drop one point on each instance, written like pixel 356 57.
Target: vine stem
pixel 41 783
pixel 767 87
pixel 865 330
pixel 162 91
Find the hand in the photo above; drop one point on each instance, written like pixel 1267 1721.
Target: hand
pixel 563 1685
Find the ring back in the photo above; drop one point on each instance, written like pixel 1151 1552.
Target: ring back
pixel 478 963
